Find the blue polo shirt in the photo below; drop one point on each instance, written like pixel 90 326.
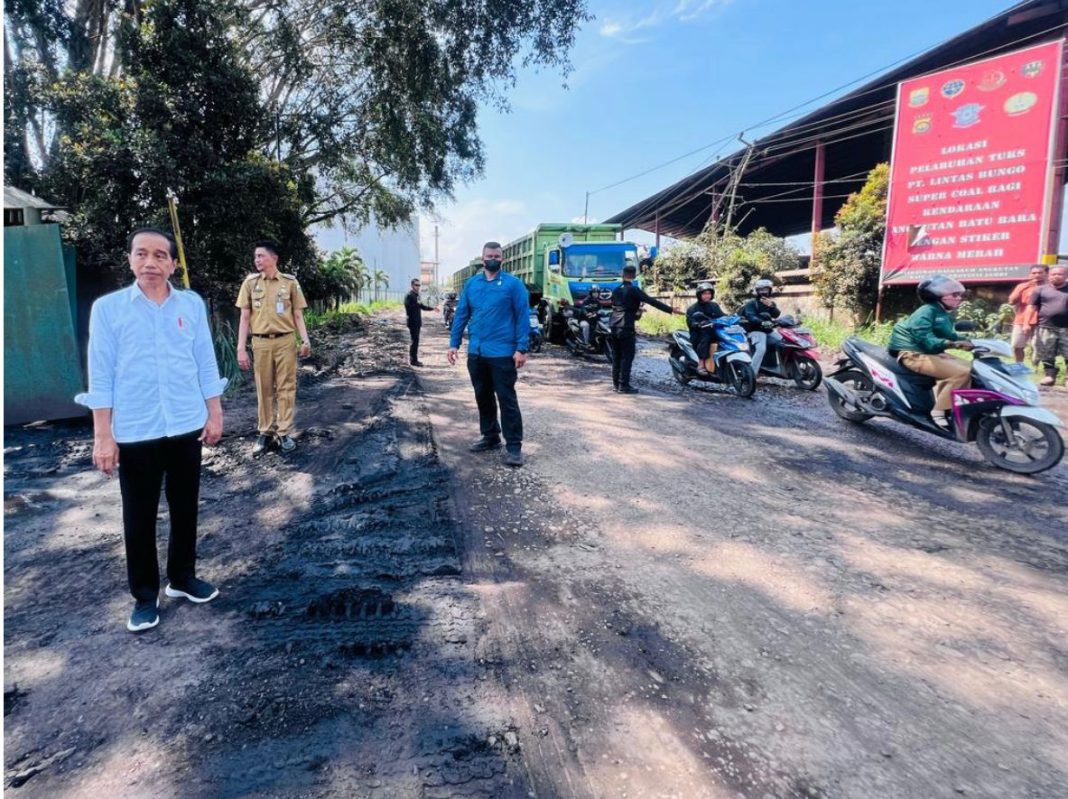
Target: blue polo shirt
pixel 498 314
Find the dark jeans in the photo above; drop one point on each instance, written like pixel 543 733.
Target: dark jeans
pixel 494 382
pixel 623 357
pixel 702 339
pixel 413 350
pixel 142 469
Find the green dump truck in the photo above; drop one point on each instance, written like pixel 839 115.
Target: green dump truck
pixel 562 262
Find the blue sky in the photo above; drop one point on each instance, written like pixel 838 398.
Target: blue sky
pixel 654 80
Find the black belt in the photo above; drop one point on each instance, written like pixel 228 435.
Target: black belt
pixel 271 335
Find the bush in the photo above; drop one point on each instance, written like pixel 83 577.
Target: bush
pixel 849 261
pixel 658 323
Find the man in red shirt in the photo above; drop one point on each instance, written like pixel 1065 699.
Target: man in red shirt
pixel 1023 324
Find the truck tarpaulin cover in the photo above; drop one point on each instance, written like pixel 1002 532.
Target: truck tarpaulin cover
pixel 971 177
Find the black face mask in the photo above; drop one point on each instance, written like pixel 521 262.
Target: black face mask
pixel 492 265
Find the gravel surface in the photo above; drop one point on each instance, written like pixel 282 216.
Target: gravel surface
pixel 682 594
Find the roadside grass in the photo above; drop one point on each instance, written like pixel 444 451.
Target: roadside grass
pixel 341 315
pixel 658 323
pixel 830 334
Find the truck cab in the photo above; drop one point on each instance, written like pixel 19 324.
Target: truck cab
pixel 574 269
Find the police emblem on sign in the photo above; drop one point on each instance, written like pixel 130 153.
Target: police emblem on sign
pixel 993 80
pixel 1032 69
pixel 921 124
pixel 951 88
pixel 919 97
pixel 967 115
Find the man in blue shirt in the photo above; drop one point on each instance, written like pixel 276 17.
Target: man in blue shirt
pixel 155 393
pixel 496 307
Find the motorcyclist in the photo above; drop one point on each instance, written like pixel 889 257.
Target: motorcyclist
pixel 703 338
pixel 449 307
pixel 757 319
pixel 920 342
pixel 588 308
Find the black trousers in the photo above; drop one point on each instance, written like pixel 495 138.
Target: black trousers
pixel 413 350
pixel 494 382
pixel 623 357
pixel 702 341
pixel 143 469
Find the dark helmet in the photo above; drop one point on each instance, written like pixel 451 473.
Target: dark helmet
pixel 935 288
pixel 604 295
pixel 763 288
pixel 703 287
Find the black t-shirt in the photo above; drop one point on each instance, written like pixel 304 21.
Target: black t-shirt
pixel 1052 305
pixel 626 300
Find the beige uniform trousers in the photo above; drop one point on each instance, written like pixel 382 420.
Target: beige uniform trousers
pixel 274 361
pixel 951 372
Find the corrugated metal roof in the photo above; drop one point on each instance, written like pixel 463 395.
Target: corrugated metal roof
pixel 17 198
pixel 856 130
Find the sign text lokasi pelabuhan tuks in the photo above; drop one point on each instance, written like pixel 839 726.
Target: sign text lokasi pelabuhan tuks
pixel 971 177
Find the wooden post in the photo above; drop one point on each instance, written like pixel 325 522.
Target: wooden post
pixel 817 197
pixel 656 229
pixel 1060 137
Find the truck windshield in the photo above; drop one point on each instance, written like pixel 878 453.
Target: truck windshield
pixel 597 262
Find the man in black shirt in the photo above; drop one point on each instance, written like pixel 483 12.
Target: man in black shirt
pixel 626 302
pixel 415 309
pixel 703 338
pixel 1051 340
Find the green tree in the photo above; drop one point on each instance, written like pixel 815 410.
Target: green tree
pixel 380 277
pixel 347 111
pixel 848 261
pixel 343 275
pixel 735 262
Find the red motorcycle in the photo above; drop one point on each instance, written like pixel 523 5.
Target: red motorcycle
pixel 792 353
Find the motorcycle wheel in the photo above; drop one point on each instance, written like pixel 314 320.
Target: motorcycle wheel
pixel 742 379
pixel 856 380
pixel 678 370
pixel 806 373
pixel 1036 446
pixel 609 350
pixel 535 344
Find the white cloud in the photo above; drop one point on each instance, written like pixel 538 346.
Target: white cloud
pixel 465 226
pixel 623 29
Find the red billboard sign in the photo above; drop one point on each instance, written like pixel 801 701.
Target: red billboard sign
pixel 971 177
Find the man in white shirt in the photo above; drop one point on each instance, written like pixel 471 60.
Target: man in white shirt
pixel 155 393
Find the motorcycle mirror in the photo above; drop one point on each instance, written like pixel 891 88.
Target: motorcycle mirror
pixel 966 326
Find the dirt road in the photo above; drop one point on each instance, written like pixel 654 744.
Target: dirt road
pixel 681 595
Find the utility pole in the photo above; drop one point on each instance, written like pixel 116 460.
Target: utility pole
pixel 586 212
pixel 435 255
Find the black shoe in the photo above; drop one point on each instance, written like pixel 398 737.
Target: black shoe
pixel 287 444
pixel 260 445
pixel 615 386
pixel 145 616
pixel 194 590
pixel 485 444
pixel 416 363
pixel 628 390
pixel 512 457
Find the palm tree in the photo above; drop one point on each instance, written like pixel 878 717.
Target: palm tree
pixel 380 276
pixel 345 274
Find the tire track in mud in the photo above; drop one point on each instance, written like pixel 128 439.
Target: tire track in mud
pixel 343 658
pixel 365 682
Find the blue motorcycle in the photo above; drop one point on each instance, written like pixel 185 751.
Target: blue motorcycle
pixel 734 365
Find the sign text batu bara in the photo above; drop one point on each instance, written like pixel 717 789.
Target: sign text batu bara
pixel 971 178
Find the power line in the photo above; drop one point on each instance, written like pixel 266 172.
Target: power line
pixel 818 123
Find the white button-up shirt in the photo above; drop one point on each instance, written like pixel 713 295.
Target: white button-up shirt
pixel 153 365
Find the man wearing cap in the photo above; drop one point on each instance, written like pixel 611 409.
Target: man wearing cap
pixel 272 308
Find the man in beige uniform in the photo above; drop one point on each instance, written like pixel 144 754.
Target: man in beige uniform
pixel 273 305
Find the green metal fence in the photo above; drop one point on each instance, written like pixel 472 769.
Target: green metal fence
pixel 42 368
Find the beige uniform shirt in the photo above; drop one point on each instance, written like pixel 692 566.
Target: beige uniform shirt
pixel 271 302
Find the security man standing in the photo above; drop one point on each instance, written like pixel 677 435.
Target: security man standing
pixel 414 310
pixel 272 305
pixel 627 299
pixel 497 307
